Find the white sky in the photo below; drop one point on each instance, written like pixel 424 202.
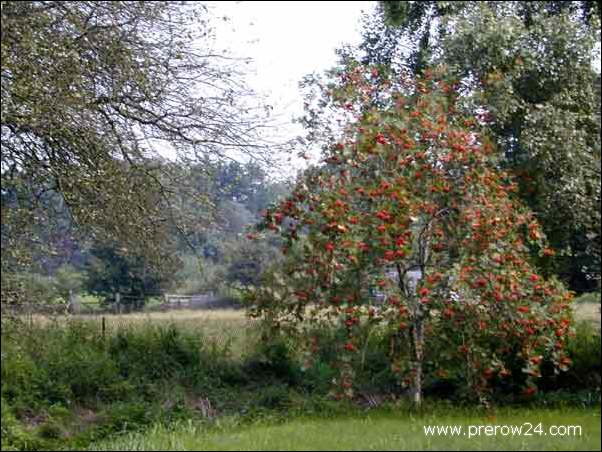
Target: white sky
pixel 286 40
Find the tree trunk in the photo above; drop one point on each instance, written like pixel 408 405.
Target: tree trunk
pixel 416 333
pixel 417 358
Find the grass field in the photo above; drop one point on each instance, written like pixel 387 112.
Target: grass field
pixel 382 431
pixel 220 326
pixel 140 388
pixel 589 312
pixel 215 319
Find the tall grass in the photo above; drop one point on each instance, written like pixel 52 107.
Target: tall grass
pixel 134 374
pixel 67 382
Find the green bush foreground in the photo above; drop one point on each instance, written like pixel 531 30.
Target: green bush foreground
pixel 70 387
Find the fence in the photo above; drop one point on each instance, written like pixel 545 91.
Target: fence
pixel 190 301
pixel 119 304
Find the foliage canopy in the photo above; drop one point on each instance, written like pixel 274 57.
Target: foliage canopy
pixel 94 96
pixel 411 200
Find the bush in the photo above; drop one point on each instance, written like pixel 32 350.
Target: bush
pixel 124 416
pixel 582 379
pixel 274 397
pixel 584 350
pixel 155 353
pixel 51 430
pixel 372 366
pixel 14 435
pixel 78 360
pixel 133 378
pixel 20 376
pixel 274 359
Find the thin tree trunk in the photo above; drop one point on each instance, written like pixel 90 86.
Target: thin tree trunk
pixel 418 352
pixel 417 337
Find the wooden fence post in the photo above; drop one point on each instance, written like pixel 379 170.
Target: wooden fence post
pixel 71 307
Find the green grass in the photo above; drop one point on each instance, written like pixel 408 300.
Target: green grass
pixel 222 327
pixel 65 385
pixel 393 430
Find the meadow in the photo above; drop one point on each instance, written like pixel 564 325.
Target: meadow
pixel 380 430
pixel 203 380
pixel 221 327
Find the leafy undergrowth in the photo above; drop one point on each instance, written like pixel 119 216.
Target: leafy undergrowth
pixel 69 386
pixel 382 430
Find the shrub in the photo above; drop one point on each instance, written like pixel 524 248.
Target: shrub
pixel 154 353
pixel 14 435
pixel 51 430
pixel 274 359
pixel 274 397
pixel 585 351
pixel 138 376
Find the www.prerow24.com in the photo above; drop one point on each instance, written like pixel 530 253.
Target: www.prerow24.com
pixel 525 429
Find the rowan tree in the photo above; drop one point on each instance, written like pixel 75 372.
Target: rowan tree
pixel 533 66
pixel 410 200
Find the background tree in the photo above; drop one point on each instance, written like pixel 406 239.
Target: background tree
pixel 223 257
pixel 91 93
pixel 109 272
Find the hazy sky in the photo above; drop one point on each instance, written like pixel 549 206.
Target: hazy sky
pixel 286 40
